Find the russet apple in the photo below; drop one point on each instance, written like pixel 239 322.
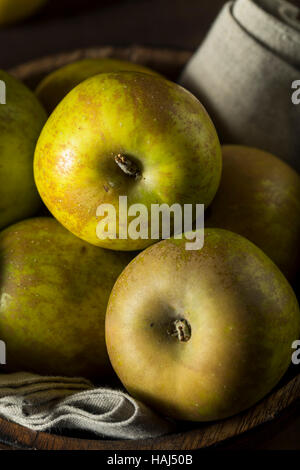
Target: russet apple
pixel 54 290
pixel 21 121
pixel 55 86
pixel 125 134
pixel 259 198
pixel 201 335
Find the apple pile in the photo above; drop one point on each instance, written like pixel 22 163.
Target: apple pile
pixel 196 334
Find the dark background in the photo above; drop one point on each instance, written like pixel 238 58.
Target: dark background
pixel 64 25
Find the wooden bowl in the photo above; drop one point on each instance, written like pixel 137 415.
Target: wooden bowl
pixel 276 407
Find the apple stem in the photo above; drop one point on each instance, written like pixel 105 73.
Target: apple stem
pixel 182 330
pixel 127 165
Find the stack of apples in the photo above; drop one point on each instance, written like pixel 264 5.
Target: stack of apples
pixel 196 334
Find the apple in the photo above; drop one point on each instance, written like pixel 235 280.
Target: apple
pixel 125 134
pixel 259 198
pixel 55 86
pixel 54 290
pixel 12 11
pixel 201 335
pixel 21 121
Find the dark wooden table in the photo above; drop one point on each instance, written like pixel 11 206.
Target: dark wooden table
pixel 64 25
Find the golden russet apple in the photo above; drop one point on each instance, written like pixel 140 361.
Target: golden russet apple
pixel 201 335
pixel 259 198
pixel 54 290
pixel 125 134
pixel 55 86
pixel 21 121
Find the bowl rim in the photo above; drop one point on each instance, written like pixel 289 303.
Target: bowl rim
pixel 207 435
pixel 164 56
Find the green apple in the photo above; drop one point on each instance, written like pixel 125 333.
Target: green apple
pixel 12 11
pixel 125 134
pixel 21 121
pixel 259 198
pixel 201 335
pixel 54 291
pixel 55 86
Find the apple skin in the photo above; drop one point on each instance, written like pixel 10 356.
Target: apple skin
pixel 12 11
pixel 162 127
pixel 53 298
pixel 243 316
pixel 55 86
pixel 21 121
pixel 259 198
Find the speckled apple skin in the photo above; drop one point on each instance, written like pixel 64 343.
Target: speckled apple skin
pixel 21 121
pixel 54 290
pixel 55 86
pixel 243 316
pixel 162 127
pixel 259 198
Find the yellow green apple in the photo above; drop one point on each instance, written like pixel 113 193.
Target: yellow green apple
pixel 21 121
pixel 259 198
pixel 201 335
pixel 54 290
pixel 12 11
pixel 55 86
pixel 125 134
